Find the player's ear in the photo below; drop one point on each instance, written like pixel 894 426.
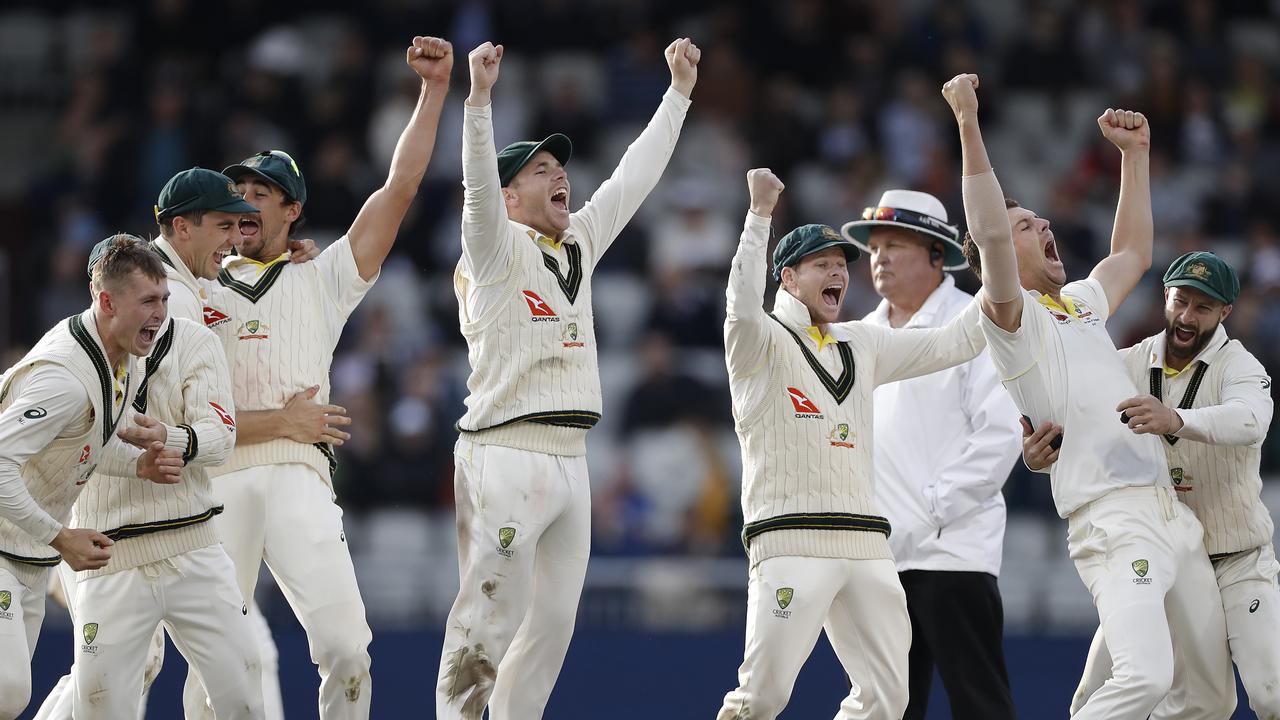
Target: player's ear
pixel 293 211
pixel 1226 311
pixel 510 198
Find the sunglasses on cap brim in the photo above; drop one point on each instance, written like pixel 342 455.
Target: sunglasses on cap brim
pixel 912 218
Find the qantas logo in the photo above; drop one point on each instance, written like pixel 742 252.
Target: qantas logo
pixel 213 317
pixel 538 307
pixel 84 455
pixel 87 471
pixel 223 415
pixel 803 405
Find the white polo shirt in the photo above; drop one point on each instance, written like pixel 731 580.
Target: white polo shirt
pixel 942 496
pixel 1062 366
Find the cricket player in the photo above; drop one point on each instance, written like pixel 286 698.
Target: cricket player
pixel 1136 548
pixel 943 495
pixel 524 304
pixel 817 546
pixel 60 407
pixel 1210 403
pixel 279 324
pixel 164 536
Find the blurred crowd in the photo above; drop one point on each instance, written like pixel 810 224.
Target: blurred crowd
pixel 102 105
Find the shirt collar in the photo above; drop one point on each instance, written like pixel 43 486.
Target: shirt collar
pixel 793 313
pixel 91 325
pixel 237 261
pixel 541 239
pixel 176 266
pixel 1206 354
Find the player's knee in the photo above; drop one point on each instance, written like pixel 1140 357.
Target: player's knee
pixel 344 654
pixel 1151 683
pixel 15 693
pixel 1265 700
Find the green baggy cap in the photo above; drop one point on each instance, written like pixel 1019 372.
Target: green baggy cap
pixel 200 189
pixel 1206 272
pixel 517 154
pixel 276 167
pixel 807 240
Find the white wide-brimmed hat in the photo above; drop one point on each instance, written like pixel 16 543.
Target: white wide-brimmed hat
pixel 915 211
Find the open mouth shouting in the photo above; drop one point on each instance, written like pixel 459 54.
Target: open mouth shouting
pixel 1051 250
pixel 1183 335
pixel 147 335
pixel 249 229
pixel 560 199
pixel 832 294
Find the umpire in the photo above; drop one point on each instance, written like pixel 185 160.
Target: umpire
pixel 941 495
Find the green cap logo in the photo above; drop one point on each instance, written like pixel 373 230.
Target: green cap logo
pixel 6 599
pixel 784 597
pixel 505 536
pixel 90 632
pixel 1176 474
pixel 1140 567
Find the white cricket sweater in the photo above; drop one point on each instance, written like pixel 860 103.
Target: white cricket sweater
pixel 1224 398
pixel 279 323
pixel 53 443
pixel 524 305
pixel 803 412
pixel 186 387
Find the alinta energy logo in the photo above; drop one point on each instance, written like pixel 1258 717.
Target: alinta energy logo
pixel 539 310
pixel 805 409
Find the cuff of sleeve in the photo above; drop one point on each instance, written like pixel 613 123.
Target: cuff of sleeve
pixel 756 222
pixel 673 95
pixel 52 533
pixel 1189 429
pixel 181 438
pixel 480 111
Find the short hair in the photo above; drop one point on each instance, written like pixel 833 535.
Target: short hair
pixel 125 254
pixel 195 217
pixel 970 248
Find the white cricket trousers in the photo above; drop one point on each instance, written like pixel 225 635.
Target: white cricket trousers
pixel 195 596
pixel 1251 599
pixel 1140 552
pixel 286 515
pixel 524 535
pixel 21 613
pixel 861 605
pixel 58 703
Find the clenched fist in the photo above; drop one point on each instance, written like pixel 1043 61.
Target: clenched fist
pixel 1126 129
pixel 431 58
pixel 765 187
pixel 961 94
pixel 484 61
pixel 682 57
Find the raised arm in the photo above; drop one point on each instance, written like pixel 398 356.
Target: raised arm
pixel 912 352
pixel 486 256
pixel 375 227
pixel 1134 231
pixel 746 325
pixel 619 197
pixel 984 210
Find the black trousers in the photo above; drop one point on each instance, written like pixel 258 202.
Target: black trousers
pixel 957 625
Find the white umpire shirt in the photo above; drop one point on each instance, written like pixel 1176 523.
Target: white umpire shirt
pixel 945 444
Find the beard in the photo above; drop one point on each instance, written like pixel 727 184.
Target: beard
pixel 1197 343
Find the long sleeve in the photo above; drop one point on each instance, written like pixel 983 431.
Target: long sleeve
pixel 486 254
pixel 988 220
pixel 992 444
pixel 207 405
pixel 746 330
pixel 1243 416
pixel 618 198
pixel 47 401
pixel 908 353
pixel 118 458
